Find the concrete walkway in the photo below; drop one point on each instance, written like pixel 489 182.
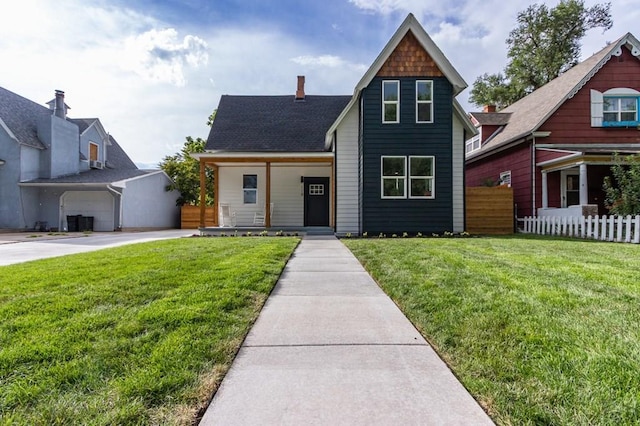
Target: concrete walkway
pixel 330 348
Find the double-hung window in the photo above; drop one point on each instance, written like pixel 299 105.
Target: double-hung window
pixel 424 101
pixel 620 111
pixel 394 177
pixel 421 176
pixel 249 189
pixel 414 178
pixel 391 101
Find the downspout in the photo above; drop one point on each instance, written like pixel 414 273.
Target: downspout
pixel 534 210
pixel 119 194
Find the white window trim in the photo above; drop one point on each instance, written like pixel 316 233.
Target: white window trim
pixel 432 178
pixel 619 111
pixel 505 177
pixel 471 142
pixel 383 178
pixel 597 102
pixel 424 102
pixel 249 189
pixel 396 102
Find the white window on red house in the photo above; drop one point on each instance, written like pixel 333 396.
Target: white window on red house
pixel 505 178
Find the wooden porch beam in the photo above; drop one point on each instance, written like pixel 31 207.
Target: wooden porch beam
pixel 215 194
pixel 212 160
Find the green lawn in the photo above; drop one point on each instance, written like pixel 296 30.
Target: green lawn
pixel 540 331
pixel 139 334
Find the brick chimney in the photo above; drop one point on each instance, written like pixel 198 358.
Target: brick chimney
pixel 300 90
pixel 489 108
pixel 59 109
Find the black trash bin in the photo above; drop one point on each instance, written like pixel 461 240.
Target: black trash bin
pixel 72 223
pixel 85 223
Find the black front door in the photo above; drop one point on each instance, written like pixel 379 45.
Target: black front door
pixel 316 201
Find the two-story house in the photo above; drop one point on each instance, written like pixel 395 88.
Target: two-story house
pixel 555 146
pixel 55 169
pixel 387 159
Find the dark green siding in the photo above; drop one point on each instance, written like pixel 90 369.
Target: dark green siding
pixel 407 138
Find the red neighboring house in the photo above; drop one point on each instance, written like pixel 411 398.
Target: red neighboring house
pixel 556 145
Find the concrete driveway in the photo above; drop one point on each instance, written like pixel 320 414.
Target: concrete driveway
pixel 26 246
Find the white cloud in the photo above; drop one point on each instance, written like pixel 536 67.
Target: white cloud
pixel 327 61
pixel 158 55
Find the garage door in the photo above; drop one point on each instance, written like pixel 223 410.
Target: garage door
pixel 99 204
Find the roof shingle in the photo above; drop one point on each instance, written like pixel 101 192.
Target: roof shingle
pixel 273 123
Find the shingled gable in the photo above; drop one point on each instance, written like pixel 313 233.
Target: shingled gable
pixel 528 114
pixel 273 123
pixel 429 60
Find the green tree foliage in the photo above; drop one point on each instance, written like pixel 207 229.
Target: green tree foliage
pixel 184 171
pixel 623 191
pixel 545 43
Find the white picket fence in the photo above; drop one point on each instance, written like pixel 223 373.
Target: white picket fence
pixel 605 228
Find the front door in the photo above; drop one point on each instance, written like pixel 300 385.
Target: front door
pixel 570 188
pixel 316 201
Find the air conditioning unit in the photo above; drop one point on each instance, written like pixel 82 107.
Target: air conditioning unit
pixel 95 164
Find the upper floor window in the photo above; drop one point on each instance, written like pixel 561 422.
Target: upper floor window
pixel 391 101
pixel 617 107
pixel 620 111
pixel 424 101
pixel 93 151
pixel 472 144
pixel 249 189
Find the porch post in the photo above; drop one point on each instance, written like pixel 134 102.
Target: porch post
pixel 545 193
pixel 584 193
pixel 203 194
pixel 267 206
pixel 216 219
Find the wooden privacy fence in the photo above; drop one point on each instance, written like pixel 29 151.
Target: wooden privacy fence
pixel 605 228
pixel 190 217
pixel 489 210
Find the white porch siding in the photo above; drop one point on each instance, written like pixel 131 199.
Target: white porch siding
pixel 347 170
pixel 458 174
pixel 286 191
pixel 230 191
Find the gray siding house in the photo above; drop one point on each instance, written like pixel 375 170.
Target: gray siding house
pixel 53 167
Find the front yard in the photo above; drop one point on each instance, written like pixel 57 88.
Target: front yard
pixel 139 334
pixel 540 331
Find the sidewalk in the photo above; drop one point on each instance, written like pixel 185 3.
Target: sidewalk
pixel 330 348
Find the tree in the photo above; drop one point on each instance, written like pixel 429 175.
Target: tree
pixel 545 44
pixel 184 171
pixel 623 191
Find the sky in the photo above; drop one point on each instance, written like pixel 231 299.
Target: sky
pixel 153 71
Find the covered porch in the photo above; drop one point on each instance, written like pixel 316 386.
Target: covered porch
pixel 253 192
pixel 572 185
